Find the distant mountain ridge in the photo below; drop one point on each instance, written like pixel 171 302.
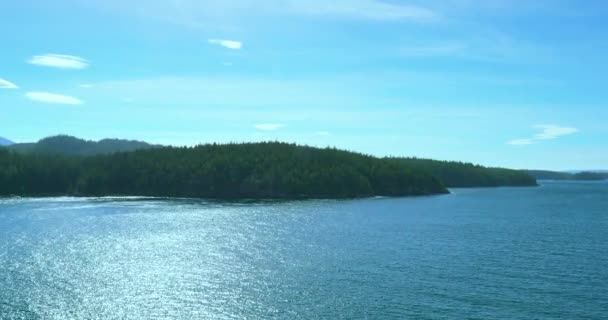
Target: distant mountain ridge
pixel 68 145
pixel 5 142
pixel 454 174
pixel 557 175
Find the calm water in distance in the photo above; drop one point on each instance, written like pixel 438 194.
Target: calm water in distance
pixel 505 253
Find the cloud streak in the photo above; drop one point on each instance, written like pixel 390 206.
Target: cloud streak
pixel 60 61
pixel 547 132
pixel 435 50
pixel 53 98
pixel 208 13
pixel 268 126
pixel 229 44
pixel 5 84
pixel 362 10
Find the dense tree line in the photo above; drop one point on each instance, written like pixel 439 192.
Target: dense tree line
pixel 590 176
pixel 466 175
pixel 256 170
pixel 555 175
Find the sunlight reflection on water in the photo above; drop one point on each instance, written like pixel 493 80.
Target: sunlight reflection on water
pixel 483 253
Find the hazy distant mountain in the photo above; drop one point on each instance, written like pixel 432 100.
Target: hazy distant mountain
pixel 579 171
pixel 578 175
pixel 68 145
pixel 5 142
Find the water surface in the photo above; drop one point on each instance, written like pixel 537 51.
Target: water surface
pixel 504 253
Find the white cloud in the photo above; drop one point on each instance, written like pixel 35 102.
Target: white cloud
pixel 85 85
pixel 5 84
pixel 268 126
pixel 59 61
pixel 547 132
pixel 552 131
pixel 230 44
pixel 53 98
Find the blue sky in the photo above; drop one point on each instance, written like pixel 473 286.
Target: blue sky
pixel 520 84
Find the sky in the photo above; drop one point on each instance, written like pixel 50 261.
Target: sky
pixel 512 83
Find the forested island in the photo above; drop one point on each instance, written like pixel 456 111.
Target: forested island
pixel 272 170
pixel 467 175
pixel 579 176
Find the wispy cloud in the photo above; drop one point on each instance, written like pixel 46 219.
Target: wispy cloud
pixel 5 84
pixel 85 85
pixel 362 9
pixel 61 61
pixel 547 132
pixel 298 91
pixel 53 98
pixel 482 46
pixel 322 133
pixel 521 142
pixel 220 91
pixel 433 50
pixel 268 126
pixel 230 44
pixel 211 13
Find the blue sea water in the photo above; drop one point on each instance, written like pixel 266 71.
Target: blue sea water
pixel 503 253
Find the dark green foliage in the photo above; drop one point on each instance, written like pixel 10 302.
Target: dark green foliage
pixel 549 175
pixel 37 174
pixel 67 145
pixel 257 170
pixel 465 175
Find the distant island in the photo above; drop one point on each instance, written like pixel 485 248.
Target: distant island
pixel 5 142
pixel 64 165
pixel 580 176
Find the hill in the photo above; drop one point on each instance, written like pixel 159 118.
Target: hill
pixel 67 145
pixel 64 165
pixel 231 171
pixel 5 142
pixel 555 175
pixel 467 175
